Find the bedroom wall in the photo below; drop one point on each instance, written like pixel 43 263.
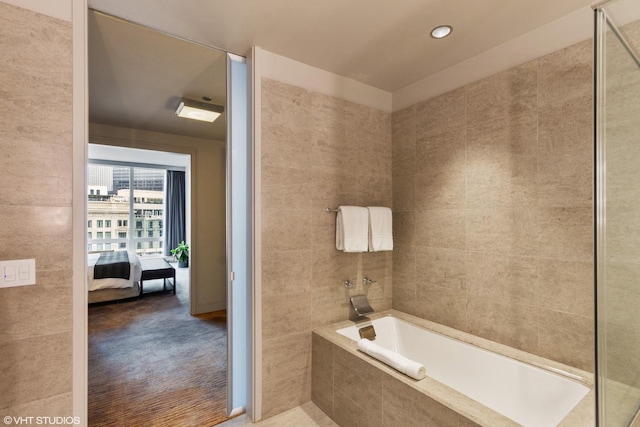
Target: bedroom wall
pixel 208 228
pixel 36 211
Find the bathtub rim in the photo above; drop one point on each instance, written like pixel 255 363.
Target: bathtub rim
pixel 583 413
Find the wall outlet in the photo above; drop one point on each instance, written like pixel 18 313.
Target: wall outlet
pixel 19 272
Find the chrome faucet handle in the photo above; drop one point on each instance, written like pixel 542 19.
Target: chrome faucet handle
pixel 348 284
pixel 368 281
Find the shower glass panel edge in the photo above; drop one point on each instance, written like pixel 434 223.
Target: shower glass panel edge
pixel 599 214
pixel 617 211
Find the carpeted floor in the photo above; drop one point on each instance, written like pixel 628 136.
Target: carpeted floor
pixel 153 364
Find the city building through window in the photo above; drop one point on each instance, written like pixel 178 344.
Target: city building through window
pixel 121 195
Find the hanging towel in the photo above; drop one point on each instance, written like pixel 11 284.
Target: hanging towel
pixel 352 229
pixel 380 229
pixel 397 361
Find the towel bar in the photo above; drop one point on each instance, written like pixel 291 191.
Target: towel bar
pixel 330 210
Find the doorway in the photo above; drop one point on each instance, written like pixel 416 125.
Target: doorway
pixel 137 79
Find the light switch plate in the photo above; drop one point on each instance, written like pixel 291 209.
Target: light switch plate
pixel 19 272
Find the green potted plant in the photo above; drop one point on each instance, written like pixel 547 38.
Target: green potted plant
pixel 181 254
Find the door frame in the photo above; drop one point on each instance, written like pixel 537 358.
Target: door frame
pixel 80 137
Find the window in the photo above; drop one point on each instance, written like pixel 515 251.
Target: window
pixel 89 235
pixel 100 246
pixel 150 233
pixel 128 195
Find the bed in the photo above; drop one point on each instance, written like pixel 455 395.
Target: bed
pixel 109 279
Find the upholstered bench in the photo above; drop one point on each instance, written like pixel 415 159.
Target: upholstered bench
pixel 157 268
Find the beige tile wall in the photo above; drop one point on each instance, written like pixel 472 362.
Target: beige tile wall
pixel 317 152
pixel 492 197
pixel 35 212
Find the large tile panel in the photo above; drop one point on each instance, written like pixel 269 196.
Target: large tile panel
pixel 35 368
pixel 440 114
pixel 509 323
pixel 441 228
pixel 567 338
pixel 500 96
pixel 286 370
pixel 35 208
pixel 317 152
pixel 496 213
pixel 404 142
pixel 406 407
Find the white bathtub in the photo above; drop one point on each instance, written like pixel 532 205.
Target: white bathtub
pixel 528 395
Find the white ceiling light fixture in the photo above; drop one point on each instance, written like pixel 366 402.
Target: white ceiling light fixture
pixel 197 110
pixel 441 31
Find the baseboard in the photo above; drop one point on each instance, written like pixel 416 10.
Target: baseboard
pixel 211 307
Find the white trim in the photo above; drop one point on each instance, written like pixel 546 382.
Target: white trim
pixel 255 61
pixel 314 79
pixel 566 31
pixel 79 209
pixel 60 9
pixel 234 57
pixel 237 411
pixel 229 274
pixel 110 153
pixel 137 165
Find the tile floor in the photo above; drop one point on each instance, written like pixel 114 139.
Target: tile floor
pixel 305 415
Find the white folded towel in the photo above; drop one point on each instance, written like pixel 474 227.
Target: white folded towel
pixel 395 360
pixel 380 229
pixel 352 229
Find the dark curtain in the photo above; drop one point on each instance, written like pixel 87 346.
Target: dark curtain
pixel 175 221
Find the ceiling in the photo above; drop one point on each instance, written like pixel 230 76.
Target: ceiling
pixel 137 76
pixel 382 43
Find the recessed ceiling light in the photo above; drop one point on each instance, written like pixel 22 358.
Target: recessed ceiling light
pixel 441 31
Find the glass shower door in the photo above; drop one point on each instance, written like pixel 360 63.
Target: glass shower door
pixel 618 212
